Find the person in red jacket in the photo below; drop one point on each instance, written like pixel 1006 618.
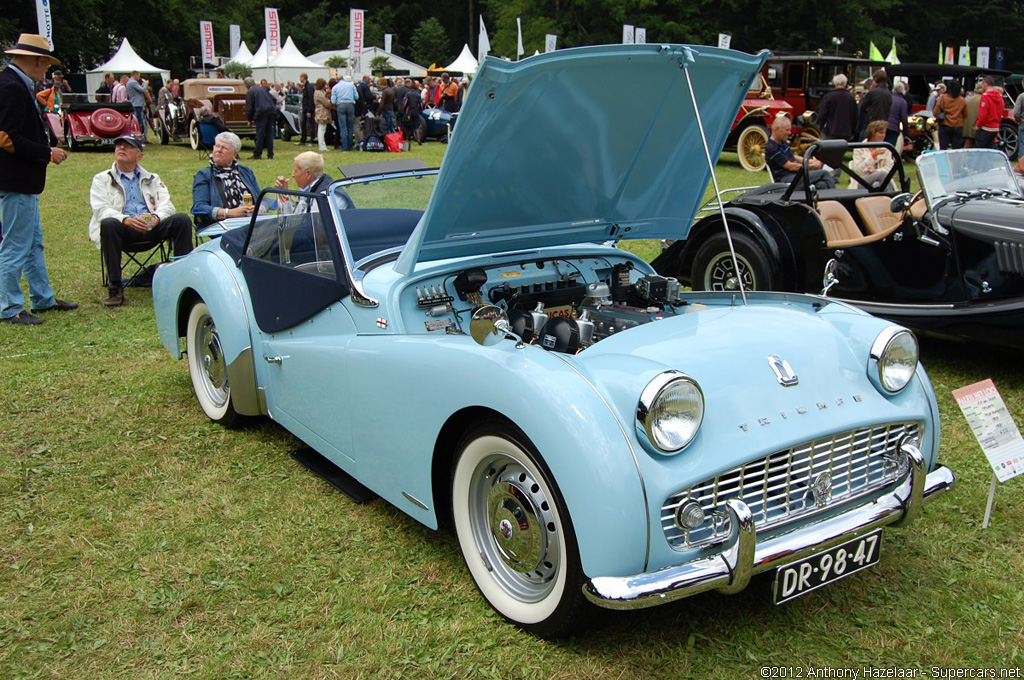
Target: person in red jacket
pixel 991 110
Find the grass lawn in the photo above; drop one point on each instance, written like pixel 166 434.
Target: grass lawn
pixel 138 540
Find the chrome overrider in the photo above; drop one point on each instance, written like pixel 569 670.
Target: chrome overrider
pixel 730 570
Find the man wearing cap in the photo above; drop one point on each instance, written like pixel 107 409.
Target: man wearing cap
pixel 24 154
pixel 131 205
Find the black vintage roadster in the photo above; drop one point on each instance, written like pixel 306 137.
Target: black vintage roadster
pixel 948 260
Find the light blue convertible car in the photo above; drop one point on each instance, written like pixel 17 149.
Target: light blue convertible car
pixel 467 345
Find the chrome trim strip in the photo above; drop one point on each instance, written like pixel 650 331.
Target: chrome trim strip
pixel 632 451
pixel 727 571
pixel 416 501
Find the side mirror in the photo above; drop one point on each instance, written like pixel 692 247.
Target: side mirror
pixel 490 325
pixel 900 203
pixel 829 278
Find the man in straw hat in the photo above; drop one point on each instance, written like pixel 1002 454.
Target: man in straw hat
pixel 24 154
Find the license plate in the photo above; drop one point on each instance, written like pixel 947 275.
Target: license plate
pixel 811 573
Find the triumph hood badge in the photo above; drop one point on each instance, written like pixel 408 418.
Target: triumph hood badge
pixel 783 371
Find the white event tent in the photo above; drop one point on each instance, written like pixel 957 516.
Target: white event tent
pixel 260 59
pixel 242 55
pixel 125 60
pixel 287 65
pixel 396 62
pixel 466 63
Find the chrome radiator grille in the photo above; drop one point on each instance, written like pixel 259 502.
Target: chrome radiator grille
pixel 779 488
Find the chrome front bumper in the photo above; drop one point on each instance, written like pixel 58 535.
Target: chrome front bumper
pixel 730 570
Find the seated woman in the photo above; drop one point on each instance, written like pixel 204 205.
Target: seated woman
pixel 219 190
pixel 872 164
pixel 208 117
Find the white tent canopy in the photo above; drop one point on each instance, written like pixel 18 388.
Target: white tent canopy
pixel 466 63
pixel 367 56
pixel 288 64
pixel 242 55
pixel 125 60
pixel 260 59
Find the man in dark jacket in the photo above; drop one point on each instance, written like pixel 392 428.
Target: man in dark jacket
pixel 877 103
pixel 261 110
pixel 307 90
pixel 24 155
pixel 837 111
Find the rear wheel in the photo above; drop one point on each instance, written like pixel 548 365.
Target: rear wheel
pixel 284 130
pixel 751 145
pixel 1008 140
pixel 715 270
pixel 161 130
pixel 208 367
pixel 69 139
pixel 515 533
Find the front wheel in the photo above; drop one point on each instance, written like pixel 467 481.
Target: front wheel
pixel 750 147
pixel 193 134
pixel 715 270
pixel 515 533
pixel 208 368
pixel 1008 140
pixel 69 139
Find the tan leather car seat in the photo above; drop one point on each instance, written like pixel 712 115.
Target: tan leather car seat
pixel 877 217
pixel 840 229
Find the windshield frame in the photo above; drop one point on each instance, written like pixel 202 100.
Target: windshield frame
pixel 944 174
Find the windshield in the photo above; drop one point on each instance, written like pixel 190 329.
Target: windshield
pixel 944 173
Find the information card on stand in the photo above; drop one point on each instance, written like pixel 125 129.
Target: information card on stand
pixel 993 425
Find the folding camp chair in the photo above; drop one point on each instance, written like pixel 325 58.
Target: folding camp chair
pixel 207 138
pixel 138 260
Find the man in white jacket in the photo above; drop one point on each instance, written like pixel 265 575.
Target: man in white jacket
pixel 132 206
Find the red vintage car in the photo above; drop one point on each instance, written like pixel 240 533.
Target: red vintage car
pixel 749 134
pixel 82 120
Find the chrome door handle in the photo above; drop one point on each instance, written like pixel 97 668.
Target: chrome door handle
pixel 274 360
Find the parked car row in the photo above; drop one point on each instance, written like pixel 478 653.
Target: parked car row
pixel 461 343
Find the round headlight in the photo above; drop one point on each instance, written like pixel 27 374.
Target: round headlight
pixel 895 355
pixel 670 411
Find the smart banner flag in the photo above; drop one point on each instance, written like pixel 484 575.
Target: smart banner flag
pixel 45 23
pixel 519 46
pixel 206 42
pixel 549 42
pixel 273 22
pixel 356 25
pixel 640 36
pixel 235 38
pixel 965 55
pixel 983 56
pixel 387 42
pixel 627 34
pixel 483 45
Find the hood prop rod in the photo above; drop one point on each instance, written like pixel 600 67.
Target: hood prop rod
pixel 714 179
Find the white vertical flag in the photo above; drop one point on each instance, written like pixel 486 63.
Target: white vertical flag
pixel 206 42
pixel 983 56
pixel 640 36
pixel 483 45
pixel 45 23
pixel 965 55
pixel 356 17
pixel 627 34
pixel 235 38
pixel 519 46
pixel 387 42
pixel 273 24
pixel 549 42
pixel 724 40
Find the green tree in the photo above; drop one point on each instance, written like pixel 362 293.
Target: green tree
pixel 430 43
pixel 337 61
pixel 233 69
pixel 379 63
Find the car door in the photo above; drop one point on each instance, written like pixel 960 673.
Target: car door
pixel 293 268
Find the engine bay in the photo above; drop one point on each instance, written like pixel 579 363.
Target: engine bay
pixel 559 304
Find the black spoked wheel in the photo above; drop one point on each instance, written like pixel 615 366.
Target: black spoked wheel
pixel 715 270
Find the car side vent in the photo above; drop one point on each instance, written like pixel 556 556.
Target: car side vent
pixel 1010 257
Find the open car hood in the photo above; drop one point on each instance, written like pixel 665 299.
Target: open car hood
pixel 585 144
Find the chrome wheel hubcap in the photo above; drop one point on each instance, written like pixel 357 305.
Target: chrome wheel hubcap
pixel 721 274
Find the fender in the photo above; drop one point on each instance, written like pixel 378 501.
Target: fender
pixel 222 288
